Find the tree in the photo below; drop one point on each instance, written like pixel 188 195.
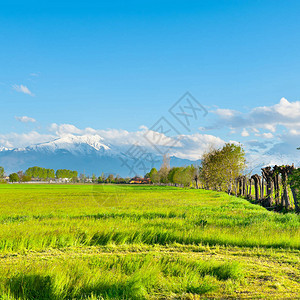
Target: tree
pixel 74 179
pixel 233 163
pixel 257 183
pixel 153 175
pixel 184 175
pixel 294 181
pixel 25 178
pixel 94 178
pixel 82 177
pixel 101 178
pixel 21 175
pixel 209 174
pixel 285 171
pixel 64 173
pixel 220 167
pixel 14 177
pixel 172 175
pixel 196 176
pixel 164 169
pixel 1 172
pixel 175 175
pixel 40 173
pixel 110 178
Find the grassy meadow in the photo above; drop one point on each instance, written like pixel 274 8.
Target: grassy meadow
pixel 143 242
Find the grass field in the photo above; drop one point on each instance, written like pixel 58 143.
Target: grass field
pixel 143 242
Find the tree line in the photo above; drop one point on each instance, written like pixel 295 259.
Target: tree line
pixel 224 170
pixel 39 173
pixel 111 178
pixel 178 176
pixel 217 171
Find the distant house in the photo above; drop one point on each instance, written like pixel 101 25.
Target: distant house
pixel 35 179
pixel 64 180
pixel 139 180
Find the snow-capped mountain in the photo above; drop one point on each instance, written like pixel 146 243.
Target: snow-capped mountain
pixel 3 149
pixel 72 143
pixel 86 153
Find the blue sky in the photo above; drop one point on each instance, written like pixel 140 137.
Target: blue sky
pixel 120 65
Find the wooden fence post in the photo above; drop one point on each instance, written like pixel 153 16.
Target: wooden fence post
pixel 262 188
pixel 250 188
pixel 256 179
pixel 268 176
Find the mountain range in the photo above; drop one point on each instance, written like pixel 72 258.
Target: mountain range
pixel 86 154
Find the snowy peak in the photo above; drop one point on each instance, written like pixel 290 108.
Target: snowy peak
pixel 4 149
pixel 85 153
pixel 71 143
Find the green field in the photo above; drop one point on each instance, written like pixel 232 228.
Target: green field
pixel 143 242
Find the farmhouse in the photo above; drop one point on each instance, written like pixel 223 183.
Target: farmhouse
pixel 139 180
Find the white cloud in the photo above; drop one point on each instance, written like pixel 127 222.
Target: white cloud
pixel 25 119
pixel 277 127
pixel 256 144
pixel 245 133
pixel 267 135
pixel 114 136
pixel 15 140
pixel 284 113
pixel 193 146
pixel 271 127
pixel 287 109
pixel 294 132
pixel 4 142
pixel 63 129
pixel 224 112
pixel 22 89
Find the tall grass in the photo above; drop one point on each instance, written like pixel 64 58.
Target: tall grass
pixel 116 277
pixel 49 218
pixel 61 216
